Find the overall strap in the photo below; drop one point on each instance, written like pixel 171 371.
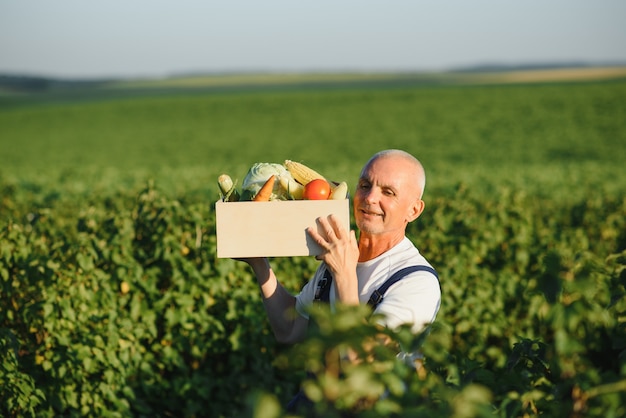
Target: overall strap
pixel 379 293
pixel 322 292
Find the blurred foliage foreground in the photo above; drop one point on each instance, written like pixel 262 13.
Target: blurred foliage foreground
pixel 117 306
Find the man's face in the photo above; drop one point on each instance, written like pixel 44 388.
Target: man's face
pixel 386 197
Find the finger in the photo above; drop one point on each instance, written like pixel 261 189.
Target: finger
pixel 326 228
pixel 317 238
pixel 329 230
pixel 338 228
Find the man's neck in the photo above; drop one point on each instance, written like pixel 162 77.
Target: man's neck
pixel 371 246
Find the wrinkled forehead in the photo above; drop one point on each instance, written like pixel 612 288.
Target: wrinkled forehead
pixel 394 161
pixel 395 168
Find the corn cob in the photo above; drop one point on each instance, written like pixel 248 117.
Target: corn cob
pixel 292 187
pixel 339 192
pixel 301 173
pixel 227 188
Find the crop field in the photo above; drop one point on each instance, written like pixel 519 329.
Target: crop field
pixel 113 303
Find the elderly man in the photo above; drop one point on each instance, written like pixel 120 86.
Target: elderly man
pixel 388 197
pixel 382 268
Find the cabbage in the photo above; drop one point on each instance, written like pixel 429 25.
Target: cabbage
pixel 258 175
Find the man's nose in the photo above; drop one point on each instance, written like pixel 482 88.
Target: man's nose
pixel 372 195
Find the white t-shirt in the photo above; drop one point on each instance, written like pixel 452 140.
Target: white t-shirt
pixel 415 299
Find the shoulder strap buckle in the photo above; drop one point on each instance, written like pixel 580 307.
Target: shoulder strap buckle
pixel 375 298
pixel 322 291
pixel 379 293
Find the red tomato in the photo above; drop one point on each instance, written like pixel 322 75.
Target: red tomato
pixel 317 189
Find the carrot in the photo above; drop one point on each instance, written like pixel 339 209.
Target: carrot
pixel 265 192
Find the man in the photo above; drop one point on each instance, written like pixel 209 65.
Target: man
pixel 388 197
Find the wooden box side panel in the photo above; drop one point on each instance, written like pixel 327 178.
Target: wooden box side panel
pixel 272 229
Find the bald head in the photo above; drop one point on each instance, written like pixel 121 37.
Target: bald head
pixel 408 162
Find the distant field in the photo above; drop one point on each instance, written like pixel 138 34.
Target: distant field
pixel 552 75
pixel 248 79
pixel 538 135
pixel 515 76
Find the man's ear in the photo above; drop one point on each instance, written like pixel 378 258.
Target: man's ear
pixel 416 210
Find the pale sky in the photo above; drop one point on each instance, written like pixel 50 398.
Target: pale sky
pixel 157 38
